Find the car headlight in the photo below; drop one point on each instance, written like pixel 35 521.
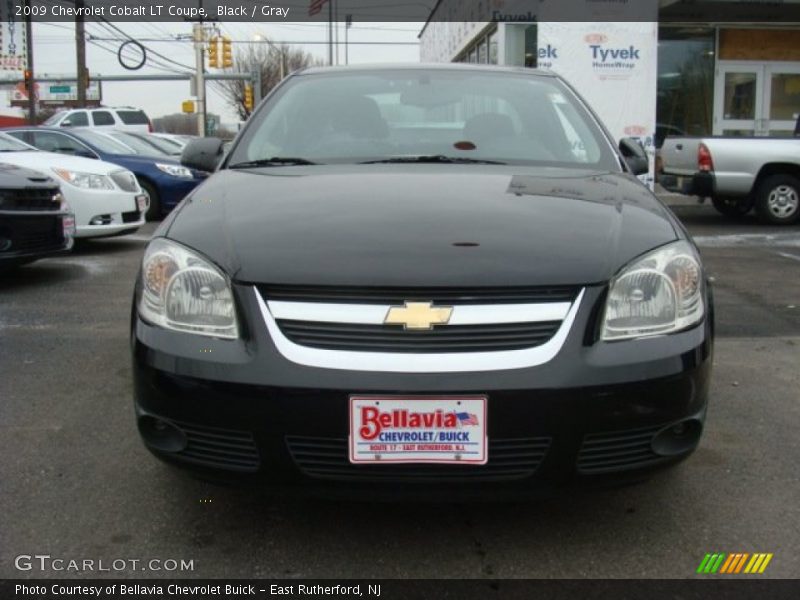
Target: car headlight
pixel 174 170
pixel 185 292
pixel 660 292
pixel 85 180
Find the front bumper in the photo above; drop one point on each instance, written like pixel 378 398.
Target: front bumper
pixel 100 213
pixel 26 236
pixel 595 411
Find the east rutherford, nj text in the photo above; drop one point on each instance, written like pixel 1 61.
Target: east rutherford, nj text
pixel 322 590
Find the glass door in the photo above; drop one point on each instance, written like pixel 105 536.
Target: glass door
pixel 781 98
pixel 739 100
pixel 761 99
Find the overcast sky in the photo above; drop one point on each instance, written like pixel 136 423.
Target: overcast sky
pixel 54 54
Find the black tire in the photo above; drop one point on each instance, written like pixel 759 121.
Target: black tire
pixel 154 212
pixel 778 199
pixel 735 208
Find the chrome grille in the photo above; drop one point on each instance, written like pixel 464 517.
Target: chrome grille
pixel 125 180
pixel 398 295
pixel 393 338
pixel 30 199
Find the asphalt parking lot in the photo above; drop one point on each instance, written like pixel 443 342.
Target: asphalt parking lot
pixel 77 483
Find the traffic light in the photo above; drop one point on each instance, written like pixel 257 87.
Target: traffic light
pixel 248 97
pixel 227 53
pixel 213 52
pixel 28 77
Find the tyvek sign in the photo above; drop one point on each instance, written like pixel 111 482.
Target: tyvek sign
pixel 613 65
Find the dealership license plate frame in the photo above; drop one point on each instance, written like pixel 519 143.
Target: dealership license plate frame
pixel 474 451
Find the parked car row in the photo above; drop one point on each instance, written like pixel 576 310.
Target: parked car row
pixel 35 220
pixel 161 178
pixel 83 182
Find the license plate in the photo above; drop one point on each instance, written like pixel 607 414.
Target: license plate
pixel 142 203
pixel 418 429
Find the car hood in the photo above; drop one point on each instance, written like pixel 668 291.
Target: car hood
pixel 421 225
pixel 45 161
pixel 15 177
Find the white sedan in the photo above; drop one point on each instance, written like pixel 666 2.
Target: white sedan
pixel 105 198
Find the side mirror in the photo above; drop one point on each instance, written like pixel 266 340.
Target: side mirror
pixel 635 155
pixel 66 123
pixel 202 154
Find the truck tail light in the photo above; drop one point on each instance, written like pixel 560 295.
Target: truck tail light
pixel 704 162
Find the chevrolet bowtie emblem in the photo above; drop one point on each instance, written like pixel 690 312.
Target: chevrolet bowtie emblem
pixel 418 315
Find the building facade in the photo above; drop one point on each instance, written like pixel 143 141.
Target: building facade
pixel 647 74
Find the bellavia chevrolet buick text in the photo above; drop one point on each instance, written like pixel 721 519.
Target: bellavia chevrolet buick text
pixel 435 279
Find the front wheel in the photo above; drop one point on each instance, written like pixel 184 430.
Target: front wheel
pixel 732 207
pixel 778 199
pixel 154 210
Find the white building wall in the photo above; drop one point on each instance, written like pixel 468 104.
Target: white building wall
pixel 614 66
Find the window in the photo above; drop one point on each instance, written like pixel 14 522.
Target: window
pixel 685 81
pixel 133 117
pixel 493 48
pixel 103 117
pixel 9 144
pixel 104 143
pixel 76 119
pixel 60 143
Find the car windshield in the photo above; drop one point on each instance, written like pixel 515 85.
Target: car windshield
pixel 53 119
pixel 137 144
pixel 163 144
pixel 104 143
pixel 9 144
pixel 425 115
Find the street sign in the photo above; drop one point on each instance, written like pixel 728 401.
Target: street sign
pixel 58 92
pixel 187 106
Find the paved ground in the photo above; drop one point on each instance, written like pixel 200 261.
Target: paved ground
pixel 76 482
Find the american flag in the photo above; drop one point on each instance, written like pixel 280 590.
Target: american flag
pixel 467 418
pixel 315 7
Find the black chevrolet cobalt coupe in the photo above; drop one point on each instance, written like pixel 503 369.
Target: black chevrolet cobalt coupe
pixel 425 279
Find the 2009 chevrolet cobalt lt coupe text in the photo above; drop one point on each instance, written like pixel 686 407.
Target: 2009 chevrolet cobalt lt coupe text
pixel 436 279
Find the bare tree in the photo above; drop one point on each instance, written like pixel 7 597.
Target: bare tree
pixel 272 59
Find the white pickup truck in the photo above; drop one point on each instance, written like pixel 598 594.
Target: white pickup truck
pixel 738 174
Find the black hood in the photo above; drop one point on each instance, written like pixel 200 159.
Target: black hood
pixel 13 177
pixel 421 225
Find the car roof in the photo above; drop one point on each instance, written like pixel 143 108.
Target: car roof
pixel 424 67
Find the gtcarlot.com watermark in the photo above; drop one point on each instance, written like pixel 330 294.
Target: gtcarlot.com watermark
pixel 46 562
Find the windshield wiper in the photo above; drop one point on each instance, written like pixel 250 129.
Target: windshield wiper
pixel 433 158
pixel 271 162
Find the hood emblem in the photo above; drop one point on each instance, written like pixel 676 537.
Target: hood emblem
pixel 418 315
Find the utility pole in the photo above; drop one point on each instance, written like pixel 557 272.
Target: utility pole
pixel 200 81
pixel 29 60
pixel 80 52
pixel 330 33
pixel 348 22
pixel 336 26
